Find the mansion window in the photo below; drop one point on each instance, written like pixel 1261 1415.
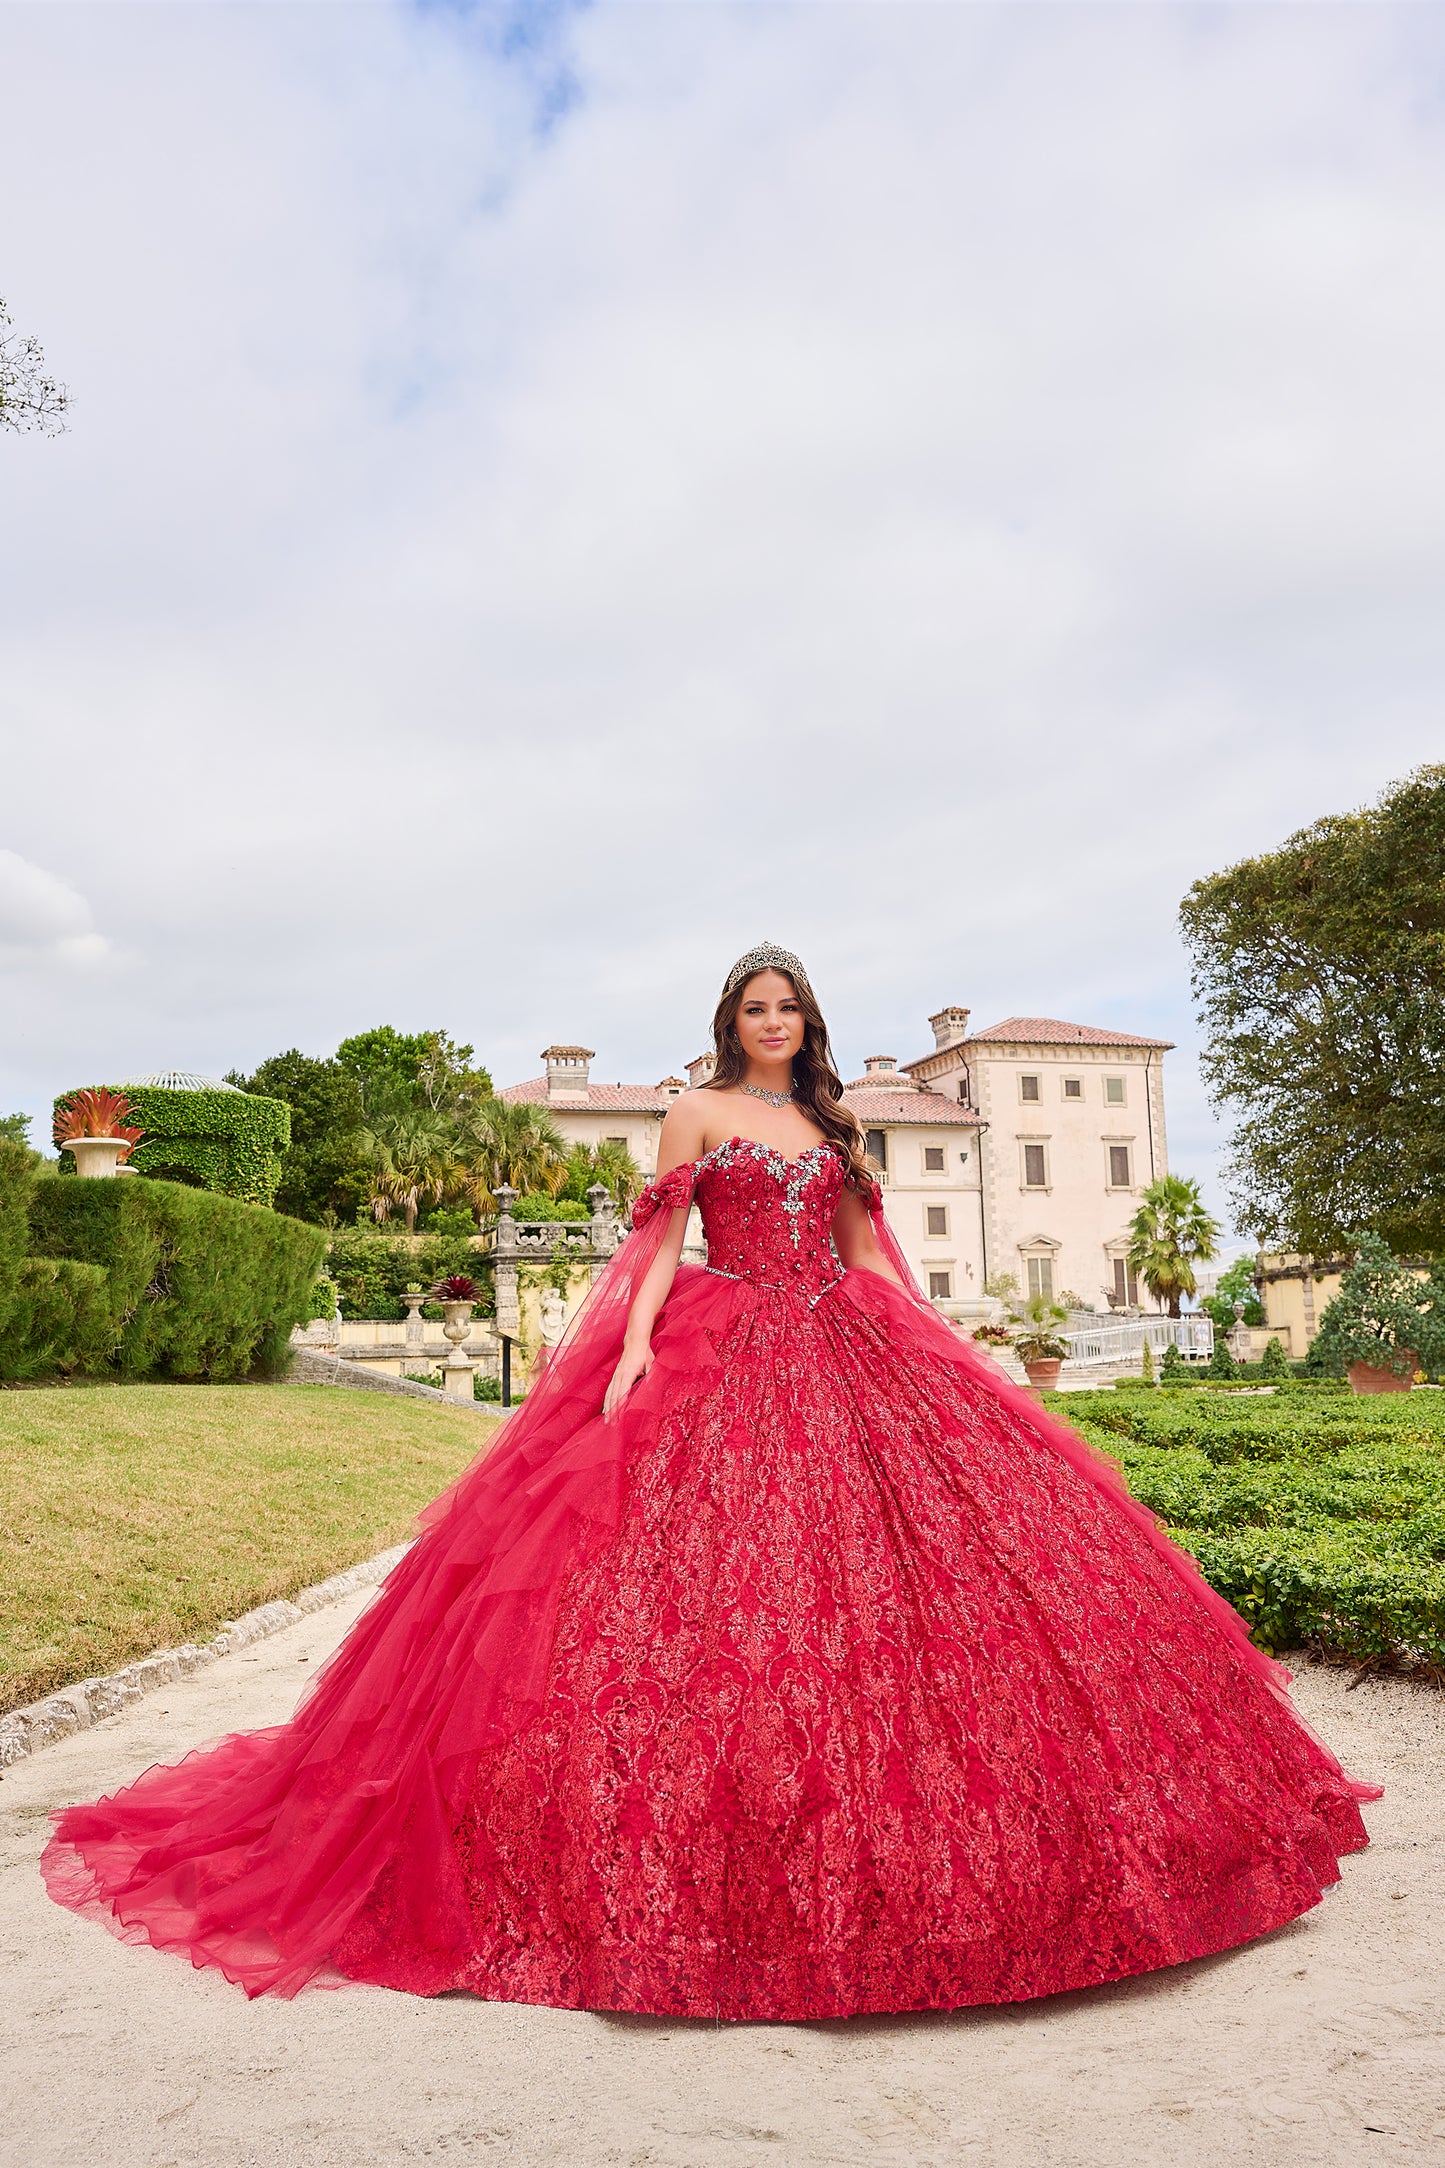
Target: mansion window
pixel 940 1286
pixel 1029 1089
pixel 1126 1284
pixel 1113 1091
pixel 1036 1166
pixel 1041 1277
pixel 1073 1087
pixel 937 1217
pixel 1121 1175
pixel 933 1159
pixel 875 1143
pixel 620 1142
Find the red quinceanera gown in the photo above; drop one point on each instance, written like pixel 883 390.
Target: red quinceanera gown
pixel 833 1676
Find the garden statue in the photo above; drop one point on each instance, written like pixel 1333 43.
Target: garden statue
pixel 554 1318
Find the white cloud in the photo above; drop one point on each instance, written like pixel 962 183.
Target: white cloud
pixel 42 918
pixel 923 484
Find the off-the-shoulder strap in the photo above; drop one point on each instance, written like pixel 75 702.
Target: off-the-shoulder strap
pixel 671 1194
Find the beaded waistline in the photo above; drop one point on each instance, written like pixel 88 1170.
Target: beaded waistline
pixel 779 1287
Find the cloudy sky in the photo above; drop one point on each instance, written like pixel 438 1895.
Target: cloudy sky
pixel 555 495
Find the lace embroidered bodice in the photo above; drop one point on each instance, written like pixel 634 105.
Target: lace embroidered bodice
pixel 767 1220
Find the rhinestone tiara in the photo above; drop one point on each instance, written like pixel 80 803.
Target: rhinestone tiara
pixel 767 956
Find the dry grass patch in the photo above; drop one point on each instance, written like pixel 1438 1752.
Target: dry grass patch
pixel 136 1516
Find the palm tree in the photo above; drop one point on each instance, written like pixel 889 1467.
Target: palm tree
pixel 515 1142
pixel 410 1151
pixel 609 1163
pixel 1168 1236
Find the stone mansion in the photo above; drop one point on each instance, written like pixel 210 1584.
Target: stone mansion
pixel 1020 1149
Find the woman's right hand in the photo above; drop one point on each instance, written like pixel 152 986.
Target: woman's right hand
pixel 635 1364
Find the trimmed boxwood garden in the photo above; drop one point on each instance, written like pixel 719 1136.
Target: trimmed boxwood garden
pixel 131 1278
pixel 1319 1516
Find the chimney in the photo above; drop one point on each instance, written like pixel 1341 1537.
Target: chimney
pixel 567 1071
pixel 884 1065
pixel 699 1072
pixel 671 1087
pixel 949 1026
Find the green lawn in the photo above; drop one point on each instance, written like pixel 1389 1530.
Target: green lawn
pixel 136 1516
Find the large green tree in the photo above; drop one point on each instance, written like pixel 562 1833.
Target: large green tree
pixel 1320 974
pixel 325 1172
pixel 427 1065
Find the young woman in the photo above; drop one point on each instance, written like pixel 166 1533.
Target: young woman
pixel 781 1662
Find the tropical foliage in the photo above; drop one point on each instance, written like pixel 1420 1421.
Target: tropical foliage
pixel 1037 1320
pixel 1169 1235
pixel 1319 970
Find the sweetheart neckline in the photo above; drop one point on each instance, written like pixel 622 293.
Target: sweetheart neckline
pixel 759 1146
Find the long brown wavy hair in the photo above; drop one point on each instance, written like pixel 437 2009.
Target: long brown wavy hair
pixel 817 1086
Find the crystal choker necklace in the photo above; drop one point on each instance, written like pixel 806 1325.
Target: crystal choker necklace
pixel 774 1099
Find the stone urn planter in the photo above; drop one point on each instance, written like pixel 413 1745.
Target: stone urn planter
pixel 98 1155
pixel 1379 1378
pixel 1043 1376
pixel 415 1327
pixel 458 1297
pixel 458 1368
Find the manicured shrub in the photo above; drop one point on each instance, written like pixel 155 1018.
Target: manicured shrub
pixel 1174 1370
pixel 1319 1516
pixel 1222 1363
pixel 200 1286
pixel 227 1141
pixel 17 1187
pixel 60 1317
pixel 1274 1366
pixel 1146 1365
pixel 1384 1315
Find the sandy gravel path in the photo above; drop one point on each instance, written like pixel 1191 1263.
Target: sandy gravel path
pixel 1322 2046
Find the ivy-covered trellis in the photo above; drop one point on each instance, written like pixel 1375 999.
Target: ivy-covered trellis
pixel 226 1140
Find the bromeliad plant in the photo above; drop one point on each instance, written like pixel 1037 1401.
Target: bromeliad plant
pixel 1385 1315
pixel 456 1287
pixel 96 1112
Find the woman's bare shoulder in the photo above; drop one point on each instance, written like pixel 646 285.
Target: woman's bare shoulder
pixel 684 1130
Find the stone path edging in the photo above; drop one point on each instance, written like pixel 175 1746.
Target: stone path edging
pixel 75 1708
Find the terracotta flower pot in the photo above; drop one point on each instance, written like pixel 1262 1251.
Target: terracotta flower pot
pixel 1044 1376
pixel 1379 1378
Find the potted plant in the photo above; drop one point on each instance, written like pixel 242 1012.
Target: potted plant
pixel 1385 1322
pixel 1036 1339
pixel 457 1295
pixel 92 1124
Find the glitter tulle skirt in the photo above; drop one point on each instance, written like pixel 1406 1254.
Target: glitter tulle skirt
pixel 834 1677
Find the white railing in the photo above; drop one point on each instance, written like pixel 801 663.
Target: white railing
pixel 1193 1336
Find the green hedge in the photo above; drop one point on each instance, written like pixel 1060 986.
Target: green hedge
pixel 17 1187
pixel 227 1141
pixel 59 1317
pixel 1320 1516
pixel 195 1285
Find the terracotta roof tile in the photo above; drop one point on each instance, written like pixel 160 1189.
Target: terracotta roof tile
pixel 1052 1031
pixel 597 1099
pixel 881 1105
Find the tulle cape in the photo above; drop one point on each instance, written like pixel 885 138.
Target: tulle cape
pixel 255 1853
